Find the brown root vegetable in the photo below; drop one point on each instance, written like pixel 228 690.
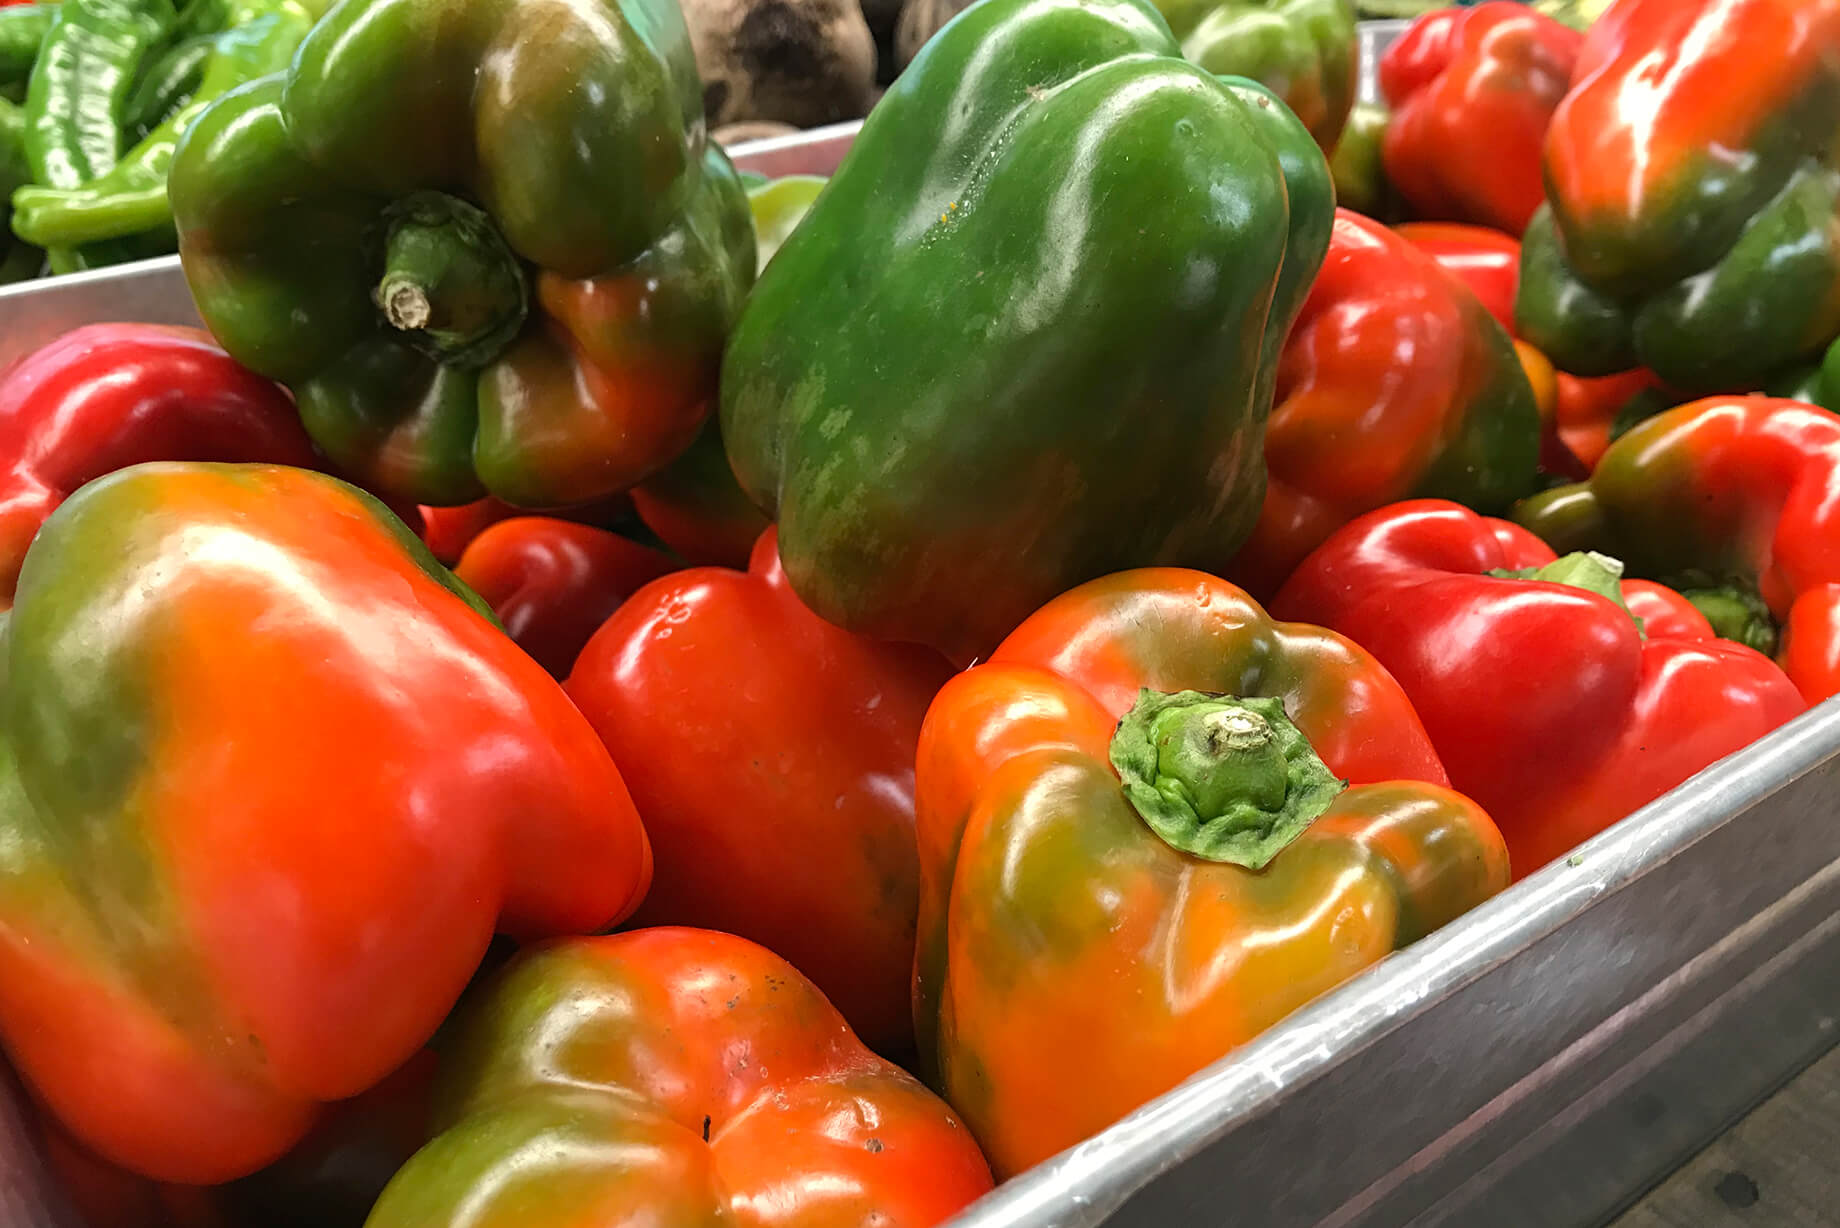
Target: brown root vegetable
pixel 883 16
pixel 920 20
pixel 798 62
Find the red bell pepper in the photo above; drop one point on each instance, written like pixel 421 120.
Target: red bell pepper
pixel 1544 698
pixel 1734 500
pixel 1484 259
pixel 771 755
pixel 270 778
pixel 107 396
pixel 1472 91
pixel 696 507
pixel 675 1078
pixel 552 582
pixel 450 530
pixel 1394 382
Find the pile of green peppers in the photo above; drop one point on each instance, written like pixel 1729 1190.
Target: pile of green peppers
pixel 94 95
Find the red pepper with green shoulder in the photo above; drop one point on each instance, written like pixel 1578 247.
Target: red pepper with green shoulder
pixel 1734 500
pixel 1548 701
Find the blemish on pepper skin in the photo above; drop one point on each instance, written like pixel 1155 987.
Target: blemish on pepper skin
pixel 874 1145
pixel 706 1124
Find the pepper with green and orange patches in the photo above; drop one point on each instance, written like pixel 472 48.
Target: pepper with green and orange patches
pixel 1153 824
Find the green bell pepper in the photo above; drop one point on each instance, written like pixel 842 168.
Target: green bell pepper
pixel 1028 333
pixel 1306 51
pixel 486 243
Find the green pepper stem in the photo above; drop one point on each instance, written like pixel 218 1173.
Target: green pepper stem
pixel 450 281
pixel 1582 569
pixel 1219 777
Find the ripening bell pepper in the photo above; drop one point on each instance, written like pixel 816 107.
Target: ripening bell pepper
pixel 106 396
pixel 1139 849
pixel 1356 166
pixel 1307 52
pixel 269 780
pixel 675 1078
pixel 1548 702
pixel 771 756
pixel 697 509
pixel 1472 90
pixel 1736 502
pixel 1693 183
pixel 1064 259
pixel 1394 383
pixel 484 261
pixel 553 582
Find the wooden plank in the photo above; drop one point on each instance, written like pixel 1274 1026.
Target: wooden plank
pixel 1778 1166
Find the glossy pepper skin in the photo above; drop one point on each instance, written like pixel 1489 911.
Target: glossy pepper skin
pixel 131 198
pixel 1545 700
pixel 1693 224
pixel 1060 932
pixel 1472 90
pixel 106 396
pixel 1733 500
pixel 1393 383
pixel 243 908
pixel 1306 52
pixel 778 790
pixel 676 1078
pixel 484 262
pixel 448 531
pixel 553 582
pixel 1486 260
pixel 1082 254
pixel 695 506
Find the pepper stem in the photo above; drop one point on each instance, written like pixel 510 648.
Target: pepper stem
pixel 1585 569
pixel 450 282
pixel 1219 777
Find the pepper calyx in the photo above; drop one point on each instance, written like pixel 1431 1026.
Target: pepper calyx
pixel 1583 569
pixel 1220 777
pixel 451 284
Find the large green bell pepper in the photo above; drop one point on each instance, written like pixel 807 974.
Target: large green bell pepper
pixel 485 242
pixel 1306 51
pixel 1027 335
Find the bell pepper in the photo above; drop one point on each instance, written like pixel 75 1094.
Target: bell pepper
pixel 697 509
pixel 811 729
pixel 1139 849
pixel 208 870
pixel 330 1180
pixel 1065 259
pixel 1814 383
pixel 1472 90
pixel 1355 165
pixel 552 582
pixel 1546 700
pixel 130 197
pixel 484 262
pixel 1307 52
pixel 675 1078
pixel 1591 413
pixel 1693 223
pixel 1394 383
pixel 106 396
pixel 778 206
pixel 1482 258
pixel 448 531
pixel 1736 502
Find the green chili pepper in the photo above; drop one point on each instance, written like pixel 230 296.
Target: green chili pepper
pixel 22 31
pixel 81 82
pixel 169 81
pixel 131 198
pixel 18 260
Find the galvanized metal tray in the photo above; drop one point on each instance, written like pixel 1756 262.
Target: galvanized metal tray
pixel 1536 1064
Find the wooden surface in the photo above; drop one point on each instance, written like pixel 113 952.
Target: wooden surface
pixel 1779 1167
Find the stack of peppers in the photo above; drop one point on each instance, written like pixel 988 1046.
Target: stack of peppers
pixel 94 95
pixel 837 605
